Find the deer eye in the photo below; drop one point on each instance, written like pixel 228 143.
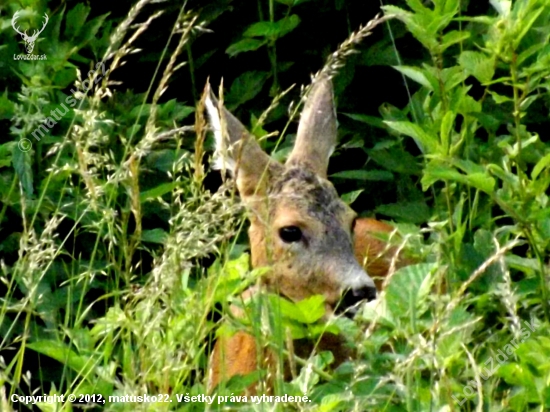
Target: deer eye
pixel 290 234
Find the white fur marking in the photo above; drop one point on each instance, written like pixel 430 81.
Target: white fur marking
pixel 222 160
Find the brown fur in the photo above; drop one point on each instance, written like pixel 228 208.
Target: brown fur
pixel 373 253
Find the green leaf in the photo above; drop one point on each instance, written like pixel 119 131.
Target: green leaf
pixel 351 197
pixel 479 65
pixel 288 24
pixel 180 112
pixel 6 153
pixel 262 29
pixel 415 74
pixel 453 76
pixel 395 159
pixel 245 45
pixel 524 55
pixel 236 268
pixel 504 175
pixel 90 29
pixel 446 129
pixel 166 159
pixel 453 37
pixel 363 118
pixel 434 172
pixel 158 191
pixel 408 290
pixel 273 30
pixel 525 25
pixel 427 141
pixel 411 212
pixel 7 107
pixel 481 181
pixel 306 311
pixel 312 308
pixel 375 175
pixel 22 165
pixel 63 354
pixel 499 99
pixel 418 7
pixel 157 236
pixel 75 20
pixel 423 26
pixel 245 88
pixel 540 166
pixel 449 6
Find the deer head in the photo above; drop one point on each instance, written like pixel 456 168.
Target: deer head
pixel 29 40
pixel 300 228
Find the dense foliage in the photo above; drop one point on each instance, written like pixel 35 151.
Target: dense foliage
pixel 120 250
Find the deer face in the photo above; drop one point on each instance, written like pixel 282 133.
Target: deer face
pixel 300 228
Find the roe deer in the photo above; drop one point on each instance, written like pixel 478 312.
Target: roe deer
pixel 299 227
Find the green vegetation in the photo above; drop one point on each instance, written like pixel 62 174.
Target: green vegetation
pixel 120 249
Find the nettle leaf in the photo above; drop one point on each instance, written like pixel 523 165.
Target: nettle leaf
pixel 540 166
pixel 427 141
pixel 446 7
pixel 245 88
pixel 181 112
pixel 363 118
pixel 22 164
pixel 308 310
pixel 351 197
pixel 157 236
pixel 477 179
pixel 395 159
pixel 530 51
pixel 412 212
pixel 6 153
pixel 166 160
pixel 90 29
pixel 312 308
pixel 75 20
pixel 64 354
pixel 236 268
pixel 454 37
pixel 478 64
pixel 446 128
pixel 288 24
pixel 7 107
pixel 499 99
pixel 415 74
pixel 273 29
pixel 423 28
pixel 262 29
pixel 409 289
pixel 525 25
pixel 453 76
pixel 418 7
pixel 245 45
pixel 375 175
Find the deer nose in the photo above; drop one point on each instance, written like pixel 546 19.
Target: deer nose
pixel 352 297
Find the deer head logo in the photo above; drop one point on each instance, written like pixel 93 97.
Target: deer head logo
pixel 29 40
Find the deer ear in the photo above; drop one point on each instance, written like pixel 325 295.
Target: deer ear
pixel 316 136
pixel 236 149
